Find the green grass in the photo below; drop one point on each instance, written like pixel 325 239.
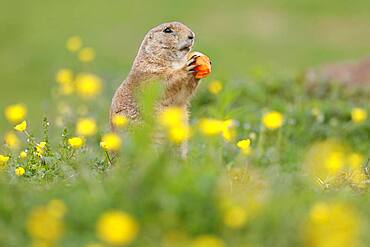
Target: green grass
pixel 258 50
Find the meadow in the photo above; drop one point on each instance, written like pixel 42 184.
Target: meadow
pixel 271 161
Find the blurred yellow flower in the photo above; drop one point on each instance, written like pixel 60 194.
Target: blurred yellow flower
pixel 355 160
pixel 40 148
pixel 76 142
pixel 74 43
pixel 88 85
pixel 64 76
pixel 208 126
pixel 117 228
pixel 119 121
pixel 228 130
pixel 111 142
pixel 44 225
pixel 86 127
pixel 211 127
pixel 172 116
pixel 21 127
pixel 19 171
pixel 215 87
pixel 332 224
pixel 359 115
pixel 56 208
pixel 244 146
pixel 86 55
pixel 15 113
pixel 273 120
pixel 207 241
pixel 235 217
pixel 3 160
pixel 23 155
pixel 66 89
pixel 179 133
pixel 11 139
pixel 332 164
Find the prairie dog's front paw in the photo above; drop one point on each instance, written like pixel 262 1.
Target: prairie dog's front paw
pixel 199 65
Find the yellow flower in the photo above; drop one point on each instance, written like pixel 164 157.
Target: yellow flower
pixel 332 224
pixel 119 121
pixel 56 208
pixel 215 87
pixel 228 130
pixel 43 224
pixel 211 127
pixel 3 160
pixel 207 241
pixel 172 116
pixel 15 113
pixel 40 148
pixel 86 127
pixel 359 115
pixel 66 89
pixel 117 228
pixel 244 146
pixel 111 142
pixel 21 127
pixel 87 54
pixel 76 142
pixel 179 134
pixel 64 76
pixel 74 43
pixel 355 160
pixel 23 155
pixel 19 171
pixel 235 217
pixel 11 140
pixel 88 85
pixel 273 120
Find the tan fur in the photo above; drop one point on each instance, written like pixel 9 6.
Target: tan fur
pixel 161 57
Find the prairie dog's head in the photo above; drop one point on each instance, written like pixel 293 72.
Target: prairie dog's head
pixel 172 41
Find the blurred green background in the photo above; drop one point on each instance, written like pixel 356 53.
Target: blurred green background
pixel 277 35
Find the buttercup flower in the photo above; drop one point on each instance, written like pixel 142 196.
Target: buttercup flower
pixel 88 85
pixel 117 228
pixel 3 160
pixel 64 76
pixel 244 146
pixel 86 127
pixel 207 241
pixel 87 54
pixel 273 120
pixel 215 87
pixel 235 217
pixel 45 224
pixel 179 134
pixel 74 43
pixel 172 116
pixel 111 142
pixel 210 127
pixel 15 113
pixel 19 171
pixel 23 155
pixel 21 127
pixel 11 140
pixel 332 224
pixel 359 115
pixel 76 142
pixel 119 121
pixel 40 148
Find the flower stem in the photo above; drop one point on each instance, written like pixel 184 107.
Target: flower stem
pixel 108 158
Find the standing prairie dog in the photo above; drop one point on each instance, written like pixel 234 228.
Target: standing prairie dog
pixel 163 56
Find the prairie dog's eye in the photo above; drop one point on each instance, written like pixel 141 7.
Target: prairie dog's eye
pixel 168 30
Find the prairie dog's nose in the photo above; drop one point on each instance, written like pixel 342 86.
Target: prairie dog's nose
pixel 191 36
